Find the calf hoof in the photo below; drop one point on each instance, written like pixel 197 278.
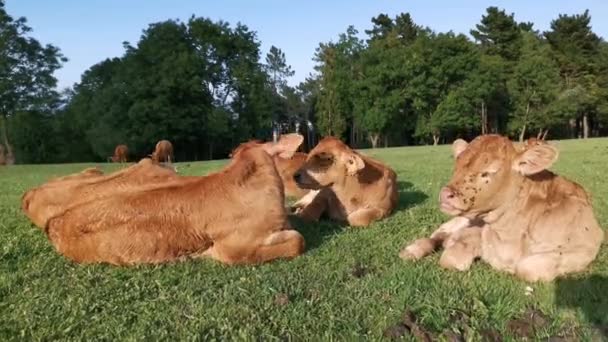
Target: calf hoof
pixel 455 259
pixel 417 250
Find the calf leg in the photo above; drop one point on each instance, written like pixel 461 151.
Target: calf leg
pixel 363 217
pixel 461 249
pixel 313 210
pixel 282 244
pixel 305 200
pixel 425 246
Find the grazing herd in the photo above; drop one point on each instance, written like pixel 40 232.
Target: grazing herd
pixel 507 209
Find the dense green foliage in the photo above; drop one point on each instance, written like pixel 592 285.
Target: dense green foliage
pixel 205 86
pixel 349 285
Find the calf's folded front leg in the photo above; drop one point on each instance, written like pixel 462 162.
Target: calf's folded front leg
pixel 425 246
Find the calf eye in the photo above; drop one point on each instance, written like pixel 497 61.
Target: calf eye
pixel 485 174
pixel 350 161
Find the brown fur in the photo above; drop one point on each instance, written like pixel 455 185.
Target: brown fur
pixel 513 213
pixel 287 167
pixel 120 154
pixel 163 152
pixel 233 216
pixel 350 187
pixel 55 196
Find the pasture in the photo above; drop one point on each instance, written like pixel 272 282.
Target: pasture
pixel 349 285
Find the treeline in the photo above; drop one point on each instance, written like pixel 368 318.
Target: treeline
pixel 406 84
pixel 205 86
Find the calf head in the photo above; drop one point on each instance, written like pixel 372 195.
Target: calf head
pixel 330 162
pixel 488 171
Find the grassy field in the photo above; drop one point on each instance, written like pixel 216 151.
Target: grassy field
pixel 349 285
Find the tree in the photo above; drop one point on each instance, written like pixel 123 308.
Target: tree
pixel 533 87
pixel 26 72
pixel 499 34
pixel 438 65
pixel 575 49
pixel 336 66
pixel 277 68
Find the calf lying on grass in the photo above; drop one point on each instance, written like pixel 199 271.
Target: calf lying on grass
pixel 234 216
pixel 352 187
pixel 513 213
pixel 43 202
pixel 287 168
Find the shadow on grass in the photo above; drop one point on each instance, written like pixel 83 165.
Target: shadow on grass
pixel 589 295
pixel 408 198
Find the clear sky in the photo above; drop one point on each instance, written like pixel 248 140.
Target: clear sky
pixel 88 31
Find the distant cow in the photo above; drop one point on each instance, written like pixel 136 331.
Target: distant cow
pixel 513 213
pixel 120 154
pixel 236 215
pixel 45 201
pixel 351 187
pixel 163 152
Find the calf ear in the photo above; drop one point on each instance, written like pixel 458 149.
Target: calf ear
pixel 535 159
pixel 458 146
pixel 353 163
pixel 286 146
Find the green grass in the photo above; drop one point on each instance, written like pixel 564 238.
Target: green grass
pixel 46 297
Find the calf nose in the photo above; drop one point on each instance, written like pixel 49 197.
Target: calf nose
pixel 297 176
pixel 446 194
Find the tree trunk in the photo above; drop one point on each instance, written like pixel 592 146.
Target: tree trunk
pixel 373 138
pixel 585 126
pixel 435 139
pixel 540 133
pixel 572 126
pixel 545 134
pixel 353 140
pixel 484 118
pixel 9 159
pixel 522 134
pixel 385 140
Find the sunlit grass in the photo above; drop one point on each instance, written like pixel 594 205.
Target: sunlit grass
pixel 350 284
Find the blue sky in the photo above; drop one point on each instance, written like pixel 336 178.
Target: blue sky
pixel 88 31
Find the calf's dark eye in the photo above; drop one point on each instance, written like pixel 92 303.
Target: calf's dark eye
pixel 485 174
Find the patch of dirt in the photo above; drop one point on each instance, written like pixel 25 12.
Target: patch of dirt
pixel 281 299
pixel 408 326
pixel 526 326
pixel 359 270
pixel 490 335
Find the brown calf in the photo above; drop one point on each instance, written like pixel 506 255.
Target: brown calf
pixel 163 152
pixel 43 202
pixel 513 213
pixel 233 216
pixel 120 154
pixel 287 167
pixel 351 187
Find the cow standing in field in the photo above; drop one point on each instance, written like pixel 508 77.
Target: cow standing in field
pixel 163 152
pixel 236 215
pixel 120 154
pixel 513 213
pixel 349 187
